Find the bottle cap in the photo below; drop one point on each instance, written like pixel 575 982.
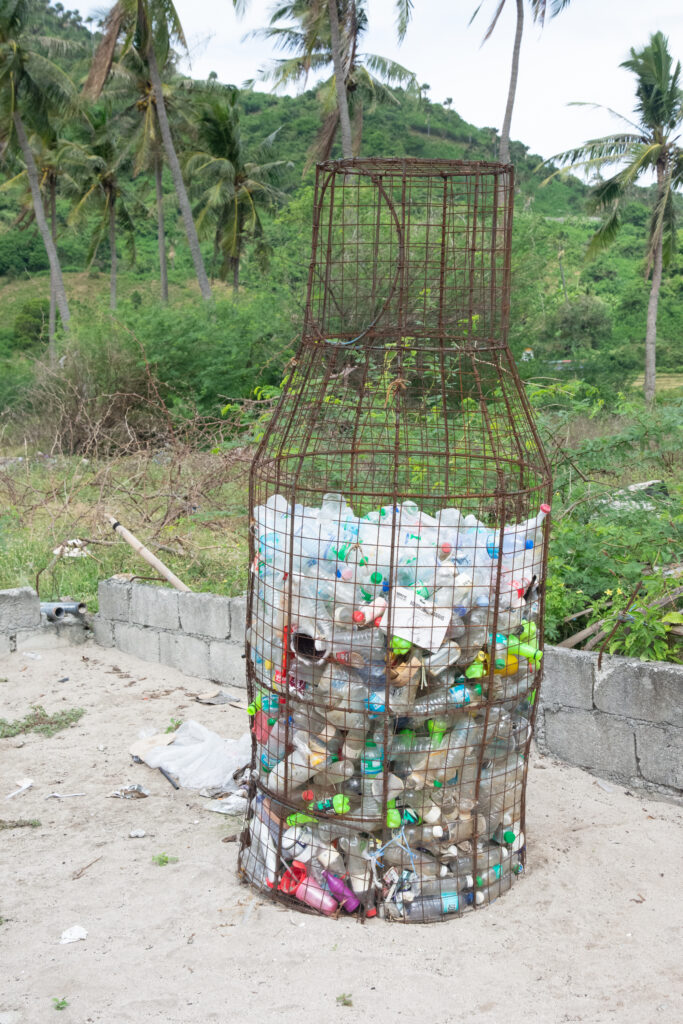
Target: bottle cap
pixel 251 710
pixel 308 794
pixel 358 616
pixel 509 836
pixel 437 831
pixel 272 721
pixel 376 577
pixel 437 784
pixel 372 912
pixel 299 818
pixel 528 544
pixel 341 804
pixel 393 818
pixel 446 548
pixel 545 508
pixel 480 880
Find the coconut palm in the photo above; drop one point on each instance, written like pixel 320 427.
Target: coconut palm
pixel 539 10
pixel 233 186
pixel 99 173
pixel 131 90
pixel 46 156
pixel 33 89
pixel 151 25
pixel 308 30
pixel 649 145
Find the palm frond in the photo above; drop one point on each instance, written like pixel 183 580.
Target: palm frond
pixel 404 12
pixel 605 234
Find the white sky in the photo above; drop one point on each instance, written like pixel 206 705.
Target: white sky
pixel 575 57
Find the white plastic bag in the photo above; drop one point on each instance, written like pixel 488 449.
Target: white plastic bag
pixel 200 758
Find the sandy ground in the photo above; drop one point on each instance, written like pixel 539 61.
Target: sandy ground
pixel 591 933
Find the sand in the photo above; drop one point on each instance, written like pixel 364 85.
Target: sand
pixel 592 932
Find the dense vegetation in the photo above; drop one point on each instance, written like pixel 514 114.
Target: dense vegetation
pixel 136 373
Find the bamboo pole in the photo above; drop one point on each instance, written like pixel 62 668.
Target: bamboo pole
pixel 146 554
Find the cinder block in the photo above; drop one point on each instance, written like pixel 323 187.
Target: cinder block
pixel 140 641
pixel 660 754
pixel 19 609
pixel 238 618
pixel 567 678
pixel 603 743
pixel 227 664
pixel 647 690
pixel 189 654
pixel 154 606
pixel 205 615
pixel 69 632
pixel 114 599
pixel 5 644
pixel 103 631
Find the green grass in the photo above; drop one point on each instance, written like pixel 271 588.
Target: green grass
pixel 162 859
pixel 19 823
pixel 190 510
pixel 38 720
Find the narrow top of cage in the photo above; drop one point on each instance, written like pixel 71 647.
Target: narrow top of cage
pixel 415 167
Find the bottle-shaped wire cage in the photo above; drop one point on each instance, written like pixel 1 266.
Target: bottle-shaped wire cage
pixel 398 541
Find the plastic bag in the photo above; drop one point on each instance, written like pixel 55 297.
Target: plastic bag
pixel 200 758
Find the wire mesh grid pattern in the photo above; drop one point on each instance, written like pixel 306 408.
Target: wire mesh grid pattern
pixel 399 520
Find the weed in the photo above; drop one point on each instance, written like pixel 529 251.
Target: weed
pixel 38 720
pixel 345 999
pixel 174 726
pixel 19 823
pixel 162 859
pixel 60 1004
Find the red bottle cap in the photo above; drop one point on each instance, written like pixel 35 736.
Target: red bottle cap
pixel 545 508
pixel 358 617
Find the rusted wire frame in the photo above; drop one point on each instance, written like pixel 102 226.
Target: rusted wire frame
pixel 354 335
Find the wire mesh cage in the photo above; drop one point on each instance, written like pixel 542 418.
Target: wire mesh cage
pixel 398 542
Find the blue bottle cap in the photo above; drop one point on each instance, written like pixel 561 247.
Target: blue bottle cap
pixel 528 544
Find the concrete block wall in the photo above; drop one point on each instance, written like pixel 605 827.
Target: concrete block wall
pixel 623 721
pixel 200 634
pixel 22 627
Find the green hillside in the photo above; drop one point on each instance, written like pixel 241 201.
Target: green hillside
pixel 563 308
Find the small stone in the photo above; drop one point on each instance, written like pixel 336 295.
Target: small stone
pixel 137 833
pixel 19 743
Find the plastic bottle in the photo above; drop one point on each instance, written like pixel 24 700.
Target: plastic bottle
pixel 426 909
pixel 445 699
pixel 310 893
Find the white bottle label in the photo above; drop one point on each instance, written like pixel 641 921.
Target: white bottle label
pixel 416 620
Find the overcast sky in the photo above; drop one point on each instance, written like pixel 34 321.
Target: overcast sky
pixel 575 57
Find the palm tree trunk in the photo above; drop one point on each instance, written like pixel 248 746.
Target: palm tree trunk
pixel 235 276
pixel 112 250
pixel 340 85
pixel 176 174
pixel 651 331
pixel 52 322
pixel 504 151
pixel 41 220
pixel 161 231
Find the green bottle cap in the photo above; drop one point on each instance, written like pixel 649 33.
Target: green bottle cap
pixel 500 662
pixel 251 710
pixel 341 804
pixel 437 784
pixel 272 721
pixel 509 836
pixel 363 561
pixel 393 818
pixel 399 645
pixel 478 689
pixel 517 869
pixel 479 880
pixel 299 818
pixel 376 577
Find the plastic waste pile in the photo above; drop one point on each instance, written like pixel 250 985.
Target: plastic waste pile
pixel 393 658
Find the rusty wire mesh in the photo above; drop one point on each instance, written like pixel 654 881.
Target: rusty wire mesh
pixel 398 555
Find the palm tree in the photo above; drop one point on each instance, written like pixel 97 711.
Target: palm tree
pixel 233 186
pixel 32 90
pixel 650 144
pixel 98 175
pixel 46 156
pixel 539 10
pixel 132 89
pixel 151 25
pixel 309 30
